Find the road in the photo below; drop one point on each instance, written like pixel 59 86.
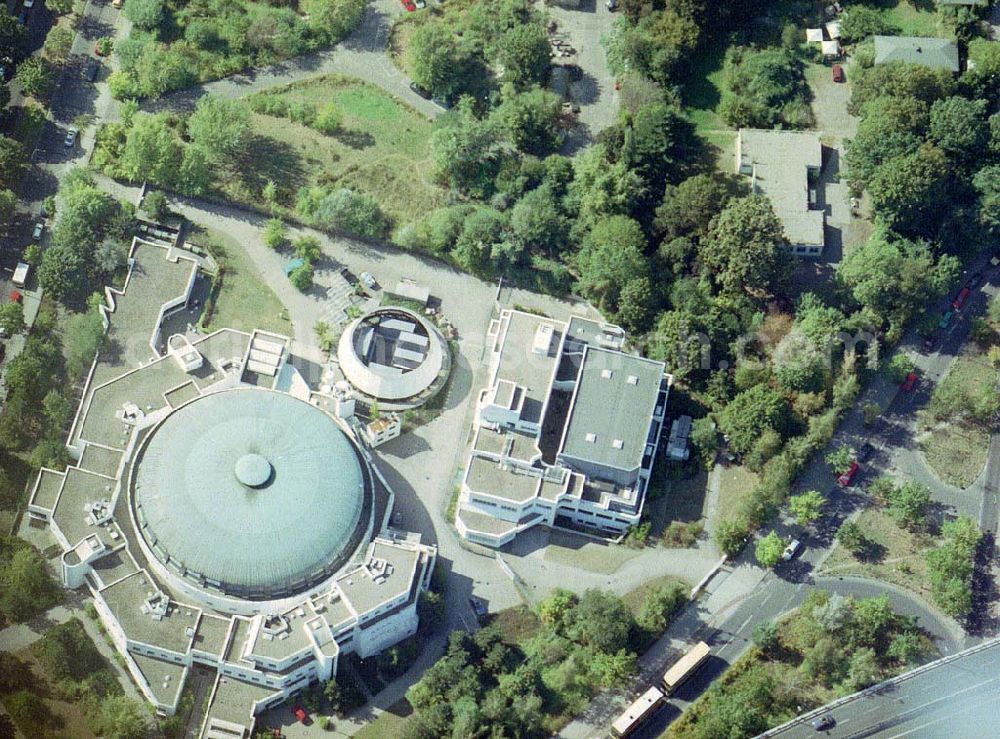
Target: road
pixel 753 596
pixel 956 698
pixel 362 54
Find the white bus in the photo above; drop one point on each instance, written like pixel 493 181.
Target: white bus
pixel 644 707
pixel 685 667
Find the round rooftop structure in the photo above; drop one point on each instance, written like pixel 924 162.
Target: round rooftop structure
pixel 395 355
pixel 250 492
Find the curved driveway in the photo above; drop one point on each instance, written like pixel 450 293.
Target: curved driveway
pixel 363 54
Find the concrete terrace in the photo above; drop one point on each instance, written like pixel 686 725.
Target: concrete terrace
pixel 125 599
pixel 158 276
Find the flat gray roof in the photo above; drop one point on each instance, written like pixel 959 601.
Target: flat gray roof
pixel 241 632
pixel 100 459
pixel 487 476
pixel 364 593
pixel 115 566
pixel 165 678
pixel 614 401
pixel 293 641
pixel 519 364
pixel 82 487
pixel 927 51
pixel 484 523
pixel 47 490
pixel 126 598
pixel 233 700
pixel 211 634
pixel 779 162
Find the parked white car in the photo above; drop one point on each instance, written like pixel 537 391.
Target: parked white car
pixel 368 280
pixel 793 547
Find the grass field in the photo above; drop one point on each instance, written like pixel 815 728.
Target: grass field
pixel 383 149
pixel 956 448
pixel 735 482
pixel 900 557
pixel 634 598
pixel 244 302
pixel 913 19
pixel 388 723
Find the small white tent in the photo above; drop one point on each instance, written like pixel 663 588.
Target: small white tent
pixel 814 34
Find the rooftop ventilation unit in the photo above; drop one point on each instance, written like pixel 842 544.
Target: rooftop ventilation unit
pixel 618 444
pixel 632 380
pixel 591 438
pixel 607 374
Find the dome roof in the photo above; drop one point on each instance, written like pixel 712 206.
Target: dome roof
pixel 258 492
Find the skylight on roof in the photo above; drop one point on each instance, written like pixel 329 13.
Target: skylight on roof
pixel 606 374
pixel 591 438
pixel 618 444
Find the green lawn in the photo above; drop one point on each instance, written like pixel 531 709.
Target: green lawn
pixel 388 723
pixel 899 559
pixel 245 302
pixel 913 19
pixel 383 149
pixel 955 448
pixel 734 485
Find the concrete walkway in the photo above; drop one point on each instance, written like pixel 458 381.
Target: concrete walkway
pixel 363 54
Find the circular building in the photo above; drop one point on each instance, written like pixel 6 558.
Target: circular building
pixel 250 493
pixel 394 356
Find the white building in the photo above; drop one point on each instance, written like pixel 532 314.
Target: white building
pixel 566 430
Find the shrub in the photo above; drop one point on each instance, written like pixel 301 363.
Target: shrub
pixel 769 549
pixel 329 119
pixel 343 210
pixel 155 204
pixel 302 277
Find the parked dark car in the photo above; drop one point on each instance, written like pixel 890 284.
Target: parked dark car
pixel 90 71
pixel 838 73
pixel 425 94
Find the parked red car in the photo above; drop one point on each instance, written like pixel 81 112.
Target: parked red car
pixel 845 479
pixel 301 715
pixel 909 382
pixel 408 4
pixel 960 299
pixel 838 73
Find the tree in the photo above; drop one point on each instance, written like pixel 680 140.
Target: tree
pixel 155 204
pixel 194 175
pixel 863 670
pixel 524 54
pixel 749 414
pixel 468 153
pixel 62 273
pixel 11 35
pixel 600 620
pixel 610 258
pixel 329 119
pixel 437 62
pixel 840 459
pixel 11 318
pixel 12 160
pixel 807 507
pixel 987 184
pixel 769 549
pixel 58 42
pixel 688 207
pixel 275 233
pixel 659 606
pixel 530 120
pixel 308 248
pixel 25 585
pixel 905 648
pixel 302 277
pixel 744 248
pixel 910 192
pixel 765 636
pixel 34 75
pixel 344 210
pixel 958 126
pixel 84 337
pixel 120 717
pixel 151 152
pixel 762 88
pixel 658 143
pixel 537 224
pixel 8 208
pixel 850 536
pixel 890 127
pixel 900 365
pixel 908 504
pixel 482 231
pixel 898 79
pixel 601 187
pixel 859 22
pixel 145 14
pixel 220 126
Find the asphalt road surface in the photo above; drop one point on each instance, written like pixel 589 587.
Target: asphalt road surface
pixel 958 700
